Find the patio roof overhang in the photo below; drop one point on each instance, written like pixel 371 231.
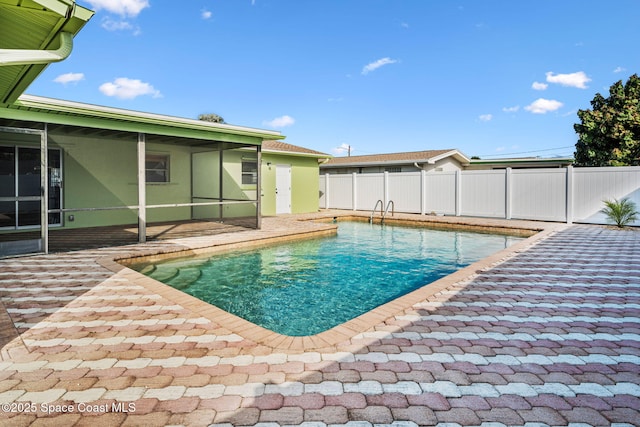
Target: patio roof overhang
pixel 30 108
pixel 34 33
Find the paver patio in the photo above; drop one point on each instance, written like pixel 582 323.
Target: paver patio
pixel 549 335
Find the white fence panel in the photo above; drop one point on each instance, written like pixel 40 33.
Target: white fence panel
pixel 404 190
pixel 369 189
pixel 483 193
pixel 340 192
pixel 591 186
pixel 539 194
pixel 535 194
pixel 440 193
pixel 322 203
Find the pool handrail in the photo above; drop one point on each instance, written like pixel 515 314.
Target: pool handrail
pixel 393 207
pixel 374 210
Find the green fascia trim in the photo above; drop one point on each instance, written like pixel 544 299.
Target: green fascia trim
pixel 64 16
pixel 39 109
pixel 61 7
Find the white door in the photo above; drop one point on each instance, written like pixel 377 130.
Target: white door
pixel 283 189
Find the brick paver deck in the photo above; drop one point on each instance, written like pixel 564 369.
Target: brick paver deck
pixel 548 336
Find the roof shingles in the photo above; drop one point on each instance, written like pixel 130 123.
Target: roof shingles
pixel 413 156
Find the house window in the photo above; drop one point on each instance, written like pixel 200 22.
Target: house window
pixel 250 172
pixel 157 167
pixel 393 169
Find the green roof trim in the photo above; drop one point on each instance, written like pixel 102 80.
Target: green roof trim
pixel 33 25
pixel 48 110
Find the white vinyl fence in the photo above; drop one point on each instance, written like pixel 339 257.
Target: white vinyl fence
pixel 563 195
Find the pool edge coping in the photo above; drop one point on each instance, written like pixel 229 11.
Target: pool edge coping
pixel 331 338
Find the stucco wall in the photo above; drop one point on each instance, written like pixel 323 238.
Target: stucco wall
pixel 304 183
pixel 102 172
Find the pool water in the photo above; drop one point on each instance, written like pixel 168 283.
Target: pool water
pixel 307 287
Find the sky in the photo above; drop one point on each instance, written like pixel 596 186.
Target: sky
pixel 491 78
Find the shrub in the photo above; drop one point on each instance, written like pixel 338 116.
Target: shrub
pixel 622 212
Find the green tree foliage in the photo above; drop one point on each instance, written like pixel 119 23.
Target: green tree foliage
pixel 213 118
pixel 609 133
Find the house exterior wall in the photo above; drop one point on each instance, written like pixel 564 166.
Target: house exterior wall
pixel 447 164
pixel 443 165
pixel 97 173
pixel 304 182
pixel 102 172
pixel 232 180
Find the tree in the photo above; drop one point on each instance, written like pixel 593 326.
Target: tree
pixel 609 133
pixel 213 118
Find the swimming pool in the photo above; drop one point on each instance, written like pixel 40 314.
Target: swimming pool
pixel 306 287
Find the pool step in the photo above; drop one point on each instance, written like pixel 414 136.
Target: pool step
pixel 164 273
pixel 147 270
pixel 185 277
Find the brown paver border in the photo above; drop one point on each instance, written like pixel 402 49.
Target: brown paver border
pixel 328 340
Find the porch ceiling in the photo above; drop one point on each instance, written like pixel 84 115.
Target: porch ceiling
pixel 33 25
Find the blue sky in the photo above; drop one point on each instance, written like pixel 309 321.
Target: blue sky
pixel 491 78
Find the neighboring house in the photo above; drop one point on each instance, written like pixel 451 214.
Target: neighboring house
pixel 431 161
pixel 289 178
pixel 109 166
pixel 519 163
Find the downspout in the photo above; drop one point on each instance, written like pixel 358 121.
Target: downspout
pixel 33 56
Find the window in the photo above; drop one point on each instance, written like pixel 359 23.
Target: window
pixel 393 169
pixel 250 172
pixel 157 167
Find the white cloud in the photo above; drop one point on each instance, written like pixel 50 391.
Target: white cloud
pixel 619 70
pixel 578 79
pixel 280 122
pixel 404 25
pixel 485 117
pixel 543 106
pixel 539 86
pixel 377 64
pixel 343 148
pixel 115 25
pixel 124 88
pixel 206 14
pixel 69 78
pixel 511 109
pixel 129 8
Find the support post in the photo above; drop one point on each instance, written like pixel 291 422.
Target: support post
pixel 220 182
pixel 569 208
pixel 507 194
pixel 385 186
pixel 354 191
pixel 142 190
pixel 458 192
pixel 423 190
pixel 326 191
pixel 44 193
pixel 259 188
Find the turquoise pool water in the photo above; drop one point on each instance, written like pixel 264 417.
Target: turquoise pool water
pixel 306 287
